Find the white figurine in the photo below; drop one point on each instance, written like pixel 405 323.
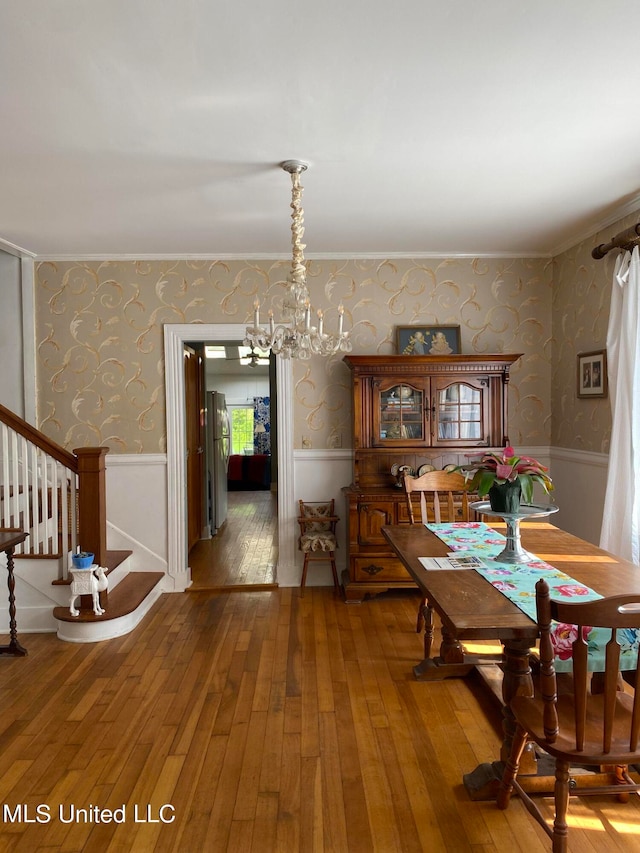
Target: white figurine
pixel 85 582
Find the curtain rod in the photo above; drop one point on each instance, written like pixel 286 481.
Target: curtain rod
pixel 624 240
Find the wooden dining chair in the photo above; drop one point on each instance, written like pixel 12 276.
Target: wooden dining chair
pixel 436 496
pixel 317 539
pixel 580 726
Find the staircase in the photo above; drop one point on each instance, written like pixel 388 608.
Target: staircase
pixel 128 599
pixel 59 499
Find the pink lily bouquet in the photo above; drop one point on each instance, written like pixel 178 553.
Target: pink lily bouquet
pixel 496 469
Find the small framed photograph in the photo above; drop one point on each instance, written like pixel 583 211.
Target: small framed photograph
pixel 428 340
pixel 592 374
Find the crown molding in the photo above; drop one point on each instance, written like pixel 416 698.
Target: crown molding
pixel 319 256
pixel 632 205
pixel 12 249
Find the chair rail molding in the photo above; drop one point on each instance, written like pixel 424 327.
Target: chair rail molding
pixel 584 457
pixel 175 336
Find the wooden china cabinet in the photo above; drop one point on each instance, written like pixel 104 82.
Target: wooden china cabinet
pixel 412 410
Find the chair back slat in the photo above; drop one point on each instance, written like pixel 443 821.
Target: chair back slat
pixel 612 658
pixel 423 508
pixel 548 686
pixel 580 651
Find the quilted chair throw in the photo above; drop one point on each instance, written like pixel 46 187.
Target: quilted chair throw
pixel 318 535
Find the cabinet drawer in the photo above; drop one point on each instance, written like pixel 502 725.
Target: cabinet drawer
pixel 379 569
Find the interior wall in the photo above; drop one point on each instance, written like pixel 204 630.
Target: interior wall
pixel 100 346
pixel 580 480
pixel 581 428
pixel 100 355
pixel 580 312
pixel 238 389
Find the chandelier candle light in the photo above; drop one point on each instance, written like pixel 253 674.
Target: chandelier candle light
pixel 295 337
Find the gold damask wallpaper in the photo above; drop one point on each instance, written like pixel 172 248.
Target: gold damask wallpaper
pixel 100 346
pixel 580 305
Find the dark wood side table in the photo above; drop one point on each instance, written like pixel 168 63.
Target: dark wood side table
pixel 8 541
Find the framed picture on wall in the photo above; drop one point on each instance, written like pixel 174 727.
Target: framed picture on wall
pixel 592 374
pixel 428 340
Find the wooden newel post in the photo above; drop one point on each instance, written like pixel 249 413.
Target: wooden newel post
pixel 92 509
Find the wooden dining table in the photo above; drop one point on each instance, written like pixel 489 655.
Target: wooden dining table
pixel 471 609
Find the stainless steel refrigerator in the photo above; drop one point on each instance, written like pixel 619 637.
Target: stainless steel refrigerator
pixel 218 448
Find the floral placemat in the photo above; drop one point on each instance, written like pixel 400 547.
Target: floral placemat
pixel 517 582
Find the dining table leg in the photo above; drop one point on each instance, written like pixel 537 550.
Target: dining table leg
pixel 516 681
pixel 449 664
pixel 452 662
pixel 482 783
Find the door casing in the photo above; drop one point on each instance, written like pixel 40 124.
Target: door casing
pixel 175 336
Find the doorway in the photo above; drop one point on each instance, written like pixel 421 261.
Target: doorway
pixel 238 548
pixel 175 336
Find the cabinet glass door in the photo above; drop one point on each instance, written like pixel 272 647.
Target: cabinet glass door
pixel 459 413
pixel 401 414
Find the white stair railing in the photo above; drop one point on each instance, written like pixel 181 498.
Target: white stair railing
pixel 38 494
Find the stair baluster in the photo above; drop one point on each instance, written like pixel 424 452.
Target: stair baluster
pixel 57 497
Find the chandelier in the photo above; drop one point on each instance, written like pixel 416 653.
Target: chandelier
pixel 294 336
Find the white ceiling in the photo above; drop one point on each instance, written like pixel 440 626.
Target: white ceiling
pixel 138 128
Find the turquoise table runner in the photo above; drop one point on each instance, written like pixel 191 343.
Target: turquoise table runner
pixel 518 581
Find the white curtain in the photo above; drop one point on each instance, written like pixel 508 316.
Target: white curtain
pixel 621 521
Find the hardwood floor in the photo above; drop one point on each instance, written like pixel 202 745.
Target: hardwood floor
pixel 264 722
pixel 244 553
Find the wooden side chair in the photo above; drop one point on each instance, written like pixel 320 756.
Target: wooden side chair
pixel 317 540
pixel 580 726
pixel 439 496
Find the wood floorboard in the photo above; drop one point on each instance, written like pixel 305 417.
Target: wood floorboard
pixel 269 722
pixel 244 552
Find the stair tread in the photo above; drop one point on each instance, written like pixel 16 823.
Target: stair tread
pixel 124 599
pixel 114 558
